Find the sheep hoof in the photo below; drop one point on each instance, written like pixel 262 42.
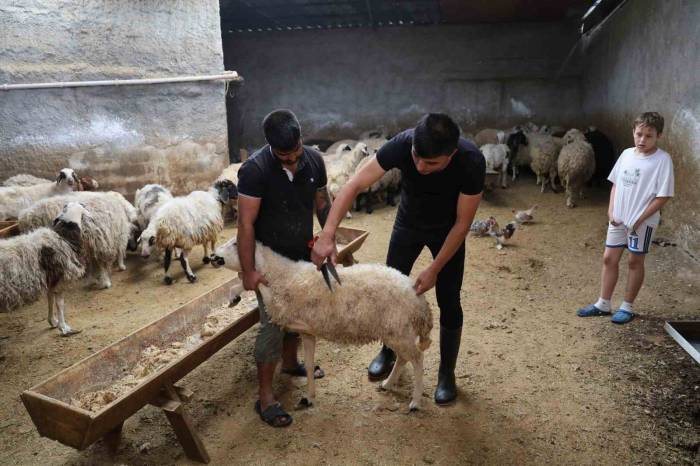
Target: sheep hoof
pixel 66 332
pixel 53 323
pixel 305 403
pixel 122 267
pixel 234 301
pixel 192 278
pixel 168 280
pixel 206 259
pixel 413 407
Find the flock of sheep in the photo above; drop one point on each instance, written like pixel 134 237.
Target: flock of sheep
pixel 69 234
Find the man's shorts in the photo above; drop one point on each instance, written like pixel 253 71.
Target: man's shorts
pixel 637 242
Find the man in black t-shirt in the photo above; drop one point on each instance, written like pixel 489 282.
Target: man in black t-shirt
pixel 442 182
pixel 279 187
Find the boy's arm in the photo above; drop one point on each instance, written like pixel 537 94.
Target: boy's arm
pixel 653 207
pixel 325 245
pixel 611 206
pixel 466 210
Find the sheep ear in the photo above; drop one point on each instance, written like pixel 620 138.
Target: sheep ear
pixel 60 177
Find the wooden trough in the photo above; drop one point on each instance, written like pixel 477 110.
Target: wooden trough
pixel 687 335
pixel 8 228
pixel 49 405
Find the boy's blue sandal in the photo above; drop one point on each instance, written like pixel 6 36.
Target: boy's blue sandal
pixel 622 316
pixel 591 311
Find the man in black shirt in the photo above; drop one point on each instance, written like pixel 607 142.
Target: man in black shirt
pixel 279 187
pixel 442 182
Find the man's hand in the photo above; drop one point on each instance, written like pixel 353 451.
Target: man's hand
pixel 324 247
pixel 252 279
pixel 425 281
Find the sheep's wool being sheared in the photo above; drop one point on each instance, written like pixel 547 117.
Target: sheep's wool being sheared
pixel 154 358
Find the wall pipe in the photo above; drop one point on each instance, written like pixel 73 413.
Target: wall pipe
pixel 226 76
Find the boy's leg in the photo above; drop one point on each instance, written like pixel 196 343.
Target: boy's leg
pixel 638 245
pixel 610 271
pixel 402 254
pixel 635 276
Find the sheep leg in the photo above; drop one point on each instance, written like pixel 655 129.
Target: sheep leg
pixel 63 327
pixel 53 322
pixel 309 342
pixel 368 202
pixel 120 260
pixel 186 267
pixel 417 364
pixel 206 259
pixel 395 373
pixel 234 295
pixel 103 280
pixel 504 177
pixel 166 265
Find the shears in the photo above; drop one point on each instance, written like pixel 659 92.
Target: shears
pixel 327 268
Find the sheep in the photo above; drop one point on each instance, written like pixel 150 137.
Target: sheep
pixel 85 183
pixel 340 169
pixel 604 152
pixel 518 157
pixel 44 260
pixel 336 146
pixel 489 136
pixel 184 222
pixel 576 164
pixel 147 200
pixel 389 184
pixel 231 173
pixel 374 302
pixel 106 232
pixel 15 198
pixel 497 157
pixel 543 152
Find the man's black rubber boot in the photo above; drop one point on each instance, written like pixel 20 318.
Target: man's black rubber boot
pixel 446 390
pixel 381 365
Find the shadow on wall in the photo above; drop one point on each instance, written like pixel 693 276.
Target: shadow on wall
pixel 182 167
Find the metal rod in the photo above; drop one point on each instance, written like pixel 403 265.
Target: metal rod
pixel 226 76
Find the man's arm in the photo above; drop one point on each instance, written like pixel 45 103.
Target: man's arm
pixel 325 245
pixel 653 207
pixel 466 210
pixel 323 205
pixel 248 208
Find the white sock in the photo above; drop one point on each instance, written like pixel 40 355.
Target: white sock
pixel 625 306
pixel 603 304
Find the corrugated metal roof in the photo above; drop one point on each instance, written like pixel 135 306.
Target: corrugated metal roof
pixel 268 15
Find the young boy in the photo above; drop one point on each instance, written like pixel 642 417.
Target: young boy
pixel 642 184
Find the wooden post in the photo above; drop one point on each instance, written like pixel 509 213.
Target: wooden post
pixel 172 405
pixel 113 438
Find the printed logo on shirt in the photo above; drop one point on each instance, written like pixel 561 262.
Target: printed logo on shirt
pixel 630 177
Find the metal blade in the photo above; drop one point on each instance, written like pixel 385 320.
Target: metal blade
pixel 331 269
pixel 326 277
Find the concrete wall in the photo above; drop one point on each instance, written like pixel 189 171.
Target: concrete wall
pixel 646 58
pixel 342 82
pixel 126 136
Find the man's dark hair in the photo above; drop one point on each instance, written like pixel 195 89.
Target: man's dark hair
pixel 282 130
pixel 436 134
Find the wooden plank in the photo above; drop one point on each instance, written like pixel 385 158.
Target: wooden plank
pixel 56 420
pixel 184 427
pixel 113 438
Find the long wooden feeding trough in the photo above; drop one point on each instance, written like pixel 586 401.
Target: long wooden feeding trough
pixel 55 417
pixel 51 403
pixel 687 335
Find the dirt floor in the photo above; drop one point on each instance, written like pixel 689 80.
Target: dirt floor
pixel 538 385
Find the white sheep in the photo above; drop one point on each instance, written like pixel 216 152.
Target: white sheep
pixel 85 183
pixel 497 157
pixel 184 222
pixel 44 260
pixel 543 151
pixel 106 231
pixel 340 169
pixel 339 146
pixel 147 200
pixel 15 198
pixel 373 303
pixel 576 164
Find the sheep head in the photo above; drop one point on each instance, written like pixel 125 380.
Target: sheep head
pixel 68 177
pixel 227 255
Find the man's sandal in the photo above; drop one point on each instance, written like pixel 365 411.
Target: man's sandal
pixel 300 371
pixel 274 415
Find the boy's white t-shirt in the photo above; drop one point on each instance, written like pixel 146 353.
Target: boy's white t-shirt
pixel 638 179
